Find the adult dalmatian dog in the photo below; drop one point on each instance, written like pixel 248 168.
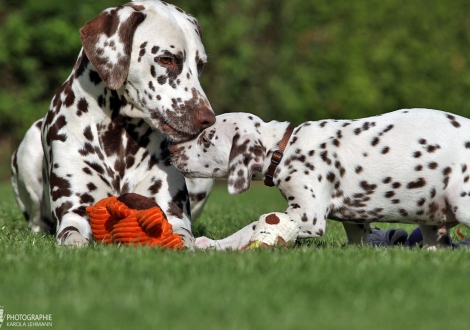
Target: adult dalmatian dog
pixel 134 89
pixel 409 166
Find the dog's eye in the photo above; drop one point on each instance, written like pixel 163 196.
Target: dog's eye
pixel 200 67
pixel 165 60
pixel 203 140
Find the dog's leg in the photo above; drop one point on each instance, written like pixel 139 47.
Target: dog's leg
pixel 308 207
pixel 234 242
pixel 435 236
pixel 357 233
pixel 73 231
pixel 199 190
pixel 27 181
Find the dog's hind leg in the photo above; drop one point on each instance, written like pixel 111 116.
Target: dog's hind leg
pixel 27 180
pixel 357 233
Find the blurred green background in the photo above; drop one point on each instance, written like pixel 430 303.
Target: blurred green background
pixel 290 60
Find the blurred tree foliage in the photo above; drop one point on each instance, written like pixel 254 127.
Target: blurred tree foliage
pixel 290 60
pixel 39 44
pixel 298 60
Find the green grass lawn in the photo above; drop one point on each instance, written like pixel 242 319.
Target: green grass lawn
pixel 321 285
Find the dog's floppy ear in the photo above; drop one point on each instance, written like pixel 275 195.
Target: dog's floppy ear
pixel 107 42
pixel 246 157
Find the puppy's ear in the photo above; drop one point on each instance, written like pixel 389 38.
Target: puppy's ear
pixel 246 157
pixel 107 42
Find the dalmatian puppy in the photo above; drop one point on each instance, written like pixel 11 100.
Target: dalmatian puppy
pixel 134 89
pixel 408 166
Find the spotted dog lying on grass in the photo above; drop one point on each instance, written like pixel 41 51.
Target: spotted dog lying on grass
pixel 134 89
pixel 408 166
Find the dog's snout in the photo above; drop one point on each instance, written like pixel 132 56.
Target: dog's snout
pixel 205 117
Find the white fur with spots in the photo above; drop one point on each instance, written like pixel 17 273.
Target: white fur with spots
pixel 408 166
pixel 134 89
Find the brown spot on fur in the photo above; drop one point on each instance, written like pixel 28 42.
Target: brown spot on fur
pixel 433 207
pixel 155 187
pixel 59 187
pixel 53 132
pixel 330 177
pixel 91 186
pixel 454 123
pixel 82 106
pixel 87 133
pixel 368 187
pixel 65 232
pixel 136 201
pixel 197 197
pixel 389 194
pixel 432 165
pixel 420 182
pixel 446 171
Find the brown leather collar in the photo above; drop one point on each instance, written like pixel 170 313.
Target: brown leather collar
pixel 277 156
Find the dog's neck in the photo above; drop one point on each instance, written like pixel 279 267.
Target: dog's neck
pixel 271 135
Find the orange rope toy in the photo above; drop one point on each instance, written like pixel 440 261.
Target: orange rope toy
pixel 132 219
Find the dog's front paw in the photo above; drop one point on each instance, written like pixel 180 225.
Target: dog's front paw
pixel 75 239
pixel 204 243
pixel 187 238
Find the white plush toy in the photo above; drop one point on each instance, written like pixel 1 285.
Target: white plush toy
pixel 273 229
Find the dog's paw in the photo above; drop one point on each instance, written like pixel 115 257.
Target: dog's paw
pixel 186 237
pixel 75 239
pixel 204 243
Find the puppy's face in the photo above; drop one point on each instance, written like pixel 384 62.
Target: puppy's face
pixel 207 156
pixel 230 149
